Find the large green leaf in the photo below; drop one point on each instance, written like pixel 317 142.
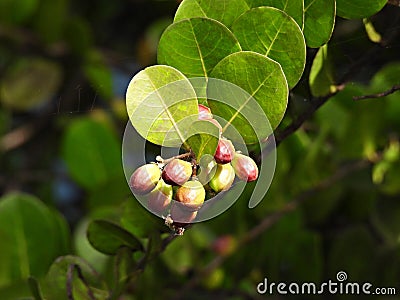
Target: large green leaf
pixel 319 21
pixel 29 83
pixel 261 79
pixel 293 8
pixel 358 9
pixel 321 77
pixel 194 46
pixel 108 237
pixel 157 99
pixel 32 237
pixel 279 38
pixel 76 273
pixel 225 11
pixel 92 153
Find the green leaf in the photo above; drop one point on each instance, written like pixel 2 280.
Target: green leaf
pixel 140 222
pixel 79 275
pixel 194 46
pixel 293 8
pixel 92 153
pixel 204 137
pixel 24 222
pixel 261 79
pixel 157 98
pixel 358 9
pixel 29 83
pixel 280 39
pixel 225 11
pixel 99 74
pixel 321 78
pixel 319 21
pixel 108 237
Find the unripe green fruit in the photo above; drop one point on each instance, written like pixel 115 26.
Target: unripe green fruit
pixel 204 112
pixel 177 172
pixel 145 179
pixel 160 198
pixel 225 151
pixel 207 169
pixel 191 195
pixel 223 178
pixel 245 167
pixel 180 214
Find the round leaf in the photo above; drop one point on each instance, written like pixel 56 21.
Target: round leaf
pixel 261 78
pixel 91 152
pixel 358 9
pixel 194 46
pixel 293 8
pixel 280 39
pixel 32 237
pixel 29 83
pixel 225 11
pixel 157 99
pixel 319 21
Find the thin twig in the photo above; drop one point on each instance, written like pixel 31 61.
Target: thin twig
pixel 393 89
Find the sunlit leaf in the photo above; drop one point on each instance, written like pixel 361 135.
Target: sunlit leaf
pixel 262 79
pixel 203 139
pixel 185 46
pixel 321 74
pixel 225 11
pixel 280 39
pixel 157 99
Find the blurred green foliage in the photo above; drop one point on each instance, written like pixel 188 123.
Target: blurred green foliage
pixel 64 69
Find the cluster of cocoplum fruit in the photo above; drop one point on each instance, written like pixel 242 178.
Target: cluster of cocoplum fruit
pixel 182 179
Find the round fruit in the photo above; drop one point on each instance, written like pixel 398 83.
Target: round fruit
pixel 160 198
pixel 177 172
pixel 204 112
pixel 208 167
pixel 225 151
pixel 245 167
pixel 179 213
pixel 191 195
pixel 144 179
pixel 223 178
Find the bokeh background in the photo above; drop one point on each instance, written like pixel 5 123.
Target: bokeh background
pixel 334 204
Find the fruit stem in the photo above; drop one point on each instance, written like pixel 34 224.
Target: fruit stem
pixel 166 161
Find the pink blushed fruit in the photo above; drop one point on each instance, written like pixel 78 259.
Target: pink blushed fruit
pixel 160 198
pixel 191 195
pixel 177 172
pixel 245 167
pixel 224 152
pixel 144 179
pixel 204 112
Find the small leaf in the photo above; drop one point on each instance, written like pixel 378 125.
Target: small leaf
pixel 321 78
pixel 71 274
pixel 29 83
pixel 203 139
pixel 225 11
pixel 194 46
pixel 319 21
pixel 293 8
pixel 92 153
pixel 24 221
pixel 107 237
pixel 256 77
pixel 280 39
pixel 373 35
pixel 157 98
pixel 358 9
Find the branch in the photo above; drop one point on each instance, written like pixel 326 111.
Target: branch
pixel 272 219
pixel 393 89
